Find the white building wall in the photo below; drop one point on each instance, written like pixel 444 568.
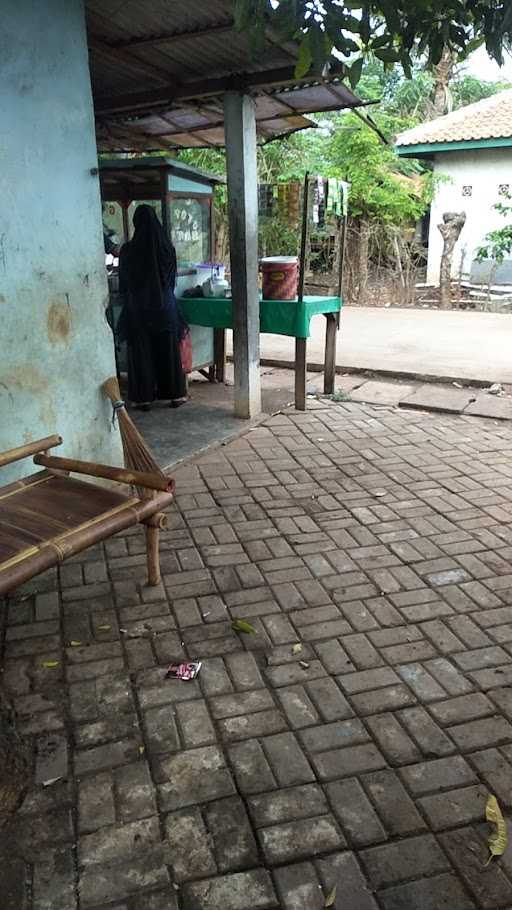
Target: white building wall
pixel 484 170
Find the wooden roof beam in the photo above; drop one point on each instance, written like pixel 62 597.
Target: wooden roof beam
pixel 203 88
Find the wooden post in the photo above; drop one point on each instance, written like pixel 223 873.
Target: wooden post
pixel 300 373
pixel 153 525
pixel 242 179
pixel 219 353
pixel 331 330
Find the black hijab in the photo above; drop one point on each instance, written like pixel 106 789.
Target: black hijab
pixel 150 260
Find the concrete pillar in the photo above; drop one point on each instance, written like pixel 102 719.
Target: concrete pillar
pixel 55 345
pixel 240 128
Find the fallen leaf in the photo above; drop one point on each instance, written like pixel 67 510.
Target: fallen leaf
pixel 142 749
pixel 331 897
pixel 296 649
pixel 50 664
pixel 498 840
pixel 75 644
pixel 240 625
pixel 104 628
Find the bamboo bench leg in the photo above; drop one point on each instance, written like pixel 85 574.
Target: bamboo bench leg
pixel 153 526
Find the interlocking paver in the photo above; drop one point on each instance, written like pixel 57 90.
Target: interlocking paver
pixel 457 807
pixel 413 857
pixel 296 839
pixel 428 893
pixel 355 812
pixel 468 853
pixel 395 807
pixel 298 886
pixel 363 759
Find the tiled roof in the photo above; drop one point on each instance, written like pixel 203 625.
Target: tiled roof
pixel 487 119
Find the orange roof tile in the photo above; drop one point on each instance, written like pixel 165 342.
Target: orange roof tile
pixel 487 119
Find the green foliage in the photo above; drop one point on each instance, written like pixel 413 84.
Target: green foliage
pixel 377 190
pixel 498 243
pixel 393 31
pixel 343 146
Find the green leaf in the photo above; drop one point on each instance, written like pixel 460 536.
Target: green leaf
pixel 241 625
pixel 380 41
pixel 304 60
pixel 387 55
pixel 354 72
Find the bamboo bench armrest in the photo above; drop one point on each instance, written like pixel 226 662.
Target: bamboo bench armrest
pixel 40 445
pixel 121 475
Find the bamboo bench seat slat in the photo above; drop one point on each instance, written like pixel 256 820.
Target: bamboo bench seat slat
pixel 47 517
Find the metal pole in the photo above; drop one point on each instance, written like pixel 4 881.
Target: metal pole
pixel 304 238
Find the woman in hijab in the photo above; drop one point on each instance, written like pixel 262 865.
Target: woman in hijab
pixel 152 323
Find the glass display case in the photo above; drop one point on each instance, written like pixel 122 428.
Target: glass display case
pixel 182 198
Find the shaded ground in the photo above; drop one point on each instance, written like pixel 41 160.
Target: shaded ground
pixel 379 540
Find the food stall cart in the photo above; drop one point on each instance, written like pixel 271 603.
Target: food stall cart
pixel 291 317
pixel 182 197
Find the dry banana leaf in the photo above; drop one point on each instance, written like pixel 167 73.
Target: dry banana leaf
pixel 240 625
pixel 498 840
pixel 331 898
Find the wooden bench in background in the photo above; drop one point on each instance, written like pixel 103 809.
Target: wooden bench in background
pixel 49 516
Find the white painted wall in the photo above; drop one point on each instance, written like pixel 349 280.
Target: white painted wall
pixel 483 170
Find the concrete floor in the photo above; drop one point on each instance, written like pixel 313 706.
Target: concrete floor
pixel 208 419
pixel 451 345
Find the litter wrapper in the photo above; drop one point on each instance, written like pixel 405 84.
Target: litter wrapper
pixel 183 671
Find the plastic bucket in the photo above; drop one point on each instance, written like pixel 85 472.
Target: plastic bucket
pixel 280 274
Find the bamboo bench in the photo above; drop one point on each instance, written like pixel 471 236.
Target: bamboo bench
pixel 49 516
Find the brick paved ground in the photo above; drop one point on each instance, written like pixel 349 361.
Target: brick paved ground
pixel 381 541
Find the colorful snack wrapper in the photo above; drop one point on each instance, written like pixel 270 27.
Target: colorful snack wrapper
pixel 185 671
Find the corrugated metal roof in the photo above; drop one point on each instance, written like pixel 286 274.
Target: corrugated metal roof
pixel 159 70
pixel 490 118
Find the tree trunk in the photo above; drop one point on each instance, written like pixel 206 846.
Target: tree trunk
pixel 451 227
pixel 442 73
pixel 364 248
pixel 14 765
